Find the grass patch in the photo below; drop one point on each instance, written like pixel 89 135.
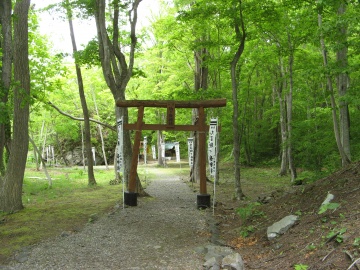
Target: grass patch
pixel 254 180
pixel 66 206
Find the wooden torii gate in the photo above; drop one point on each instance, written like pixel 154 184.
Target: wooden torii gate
pixel 203 199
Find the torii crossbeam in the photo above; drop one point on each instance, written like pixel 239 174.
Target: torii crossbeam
pixel 203 199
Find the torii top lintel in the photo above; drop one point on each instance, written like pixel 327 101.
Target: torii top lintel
pixel 171 105
pixel 178 103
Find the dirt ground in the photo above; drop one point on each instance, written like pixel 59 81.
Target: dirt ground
pixel 330 240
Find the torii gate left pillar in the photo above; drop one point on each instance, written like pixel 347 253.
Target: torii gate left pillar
pixel 203 199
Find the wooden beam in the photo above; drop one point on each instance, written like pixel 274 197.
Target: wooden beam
pixel 202 151
pixel 214 103
pixel 170 115
pixel 166 127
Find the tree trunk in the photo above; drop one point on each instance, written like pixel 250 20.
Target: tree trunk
pixel 283 117
pixel 6 71
pixel 201 74
pixel 239 22
pixel 36 150
pixel 345 160
pixel 43 144
pixel 194 171
pixel 11 188
pixel 87 132
pixel 289 98
pixel 343 84
pixel 117 72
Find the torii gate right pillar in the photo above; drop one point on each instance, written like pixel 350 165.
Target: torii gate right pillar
pixel 203 199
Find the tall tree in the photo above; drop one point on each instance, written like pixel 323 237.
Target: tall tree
pixel 11 183
pixel 344 158
pixel 240 35
pixel 6 75
pixel 87 137
pixel 116 69
pixel 343 80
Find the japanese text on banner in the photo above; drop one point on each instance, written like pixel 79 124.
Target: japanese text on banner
pixel 177 151
pixel 120 154
pixel 191 151
pixel 212 146
pixel 145 149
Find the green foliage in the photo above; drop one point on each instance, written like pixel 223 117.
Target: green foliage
pixel 337 234
pixel 89 56
pixel 245 232
pixel 164 69
pixel 300 267
pixel 328 206
pixel 311 247
pixel 356 242
pixel 249 210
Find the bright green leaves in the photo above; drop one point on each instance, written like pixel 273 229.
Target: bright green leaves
pixel 89 56
pixel 328 206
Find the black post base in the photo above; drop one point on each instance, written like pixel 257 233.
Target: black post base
pixel 130 198
pixel 203 201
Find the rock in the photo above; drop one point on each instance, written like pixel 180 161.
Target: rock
pixel 212 264
pixel 201 250
pixel 74 157
pixel 217 252
pixel 281 226
pixel 233 261
pixel 23 255
pixel 264 199
pixel 215 255
pixel 328 199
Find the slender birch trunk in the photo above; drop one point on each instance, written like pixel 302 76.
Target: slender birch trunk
pixel 241 35
pixel 289 101
pixel 87 136
pixel 345 160
pixel 100 131
pixel 343 84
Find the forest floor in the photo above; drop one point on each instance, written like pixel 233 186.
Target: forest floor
pixel 330 240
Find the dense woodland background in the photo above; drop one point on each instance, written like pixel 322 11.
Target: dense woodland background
pixel 288 69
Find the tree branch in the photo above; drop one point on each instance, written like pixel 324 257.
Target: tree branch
pixel 113 128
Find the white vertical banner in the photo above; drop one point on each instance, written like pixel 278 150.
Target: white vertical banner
pixel 145 149
pixel 93 154
pixel 162 149
pixel 191 151
pixel 177 151
pixel 120 153
pixel 47 154
pixel 153 150
pixel 53 154
pixel 212 146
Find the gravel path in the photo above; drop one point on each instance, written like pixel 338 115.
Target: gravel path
pixel 162 232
